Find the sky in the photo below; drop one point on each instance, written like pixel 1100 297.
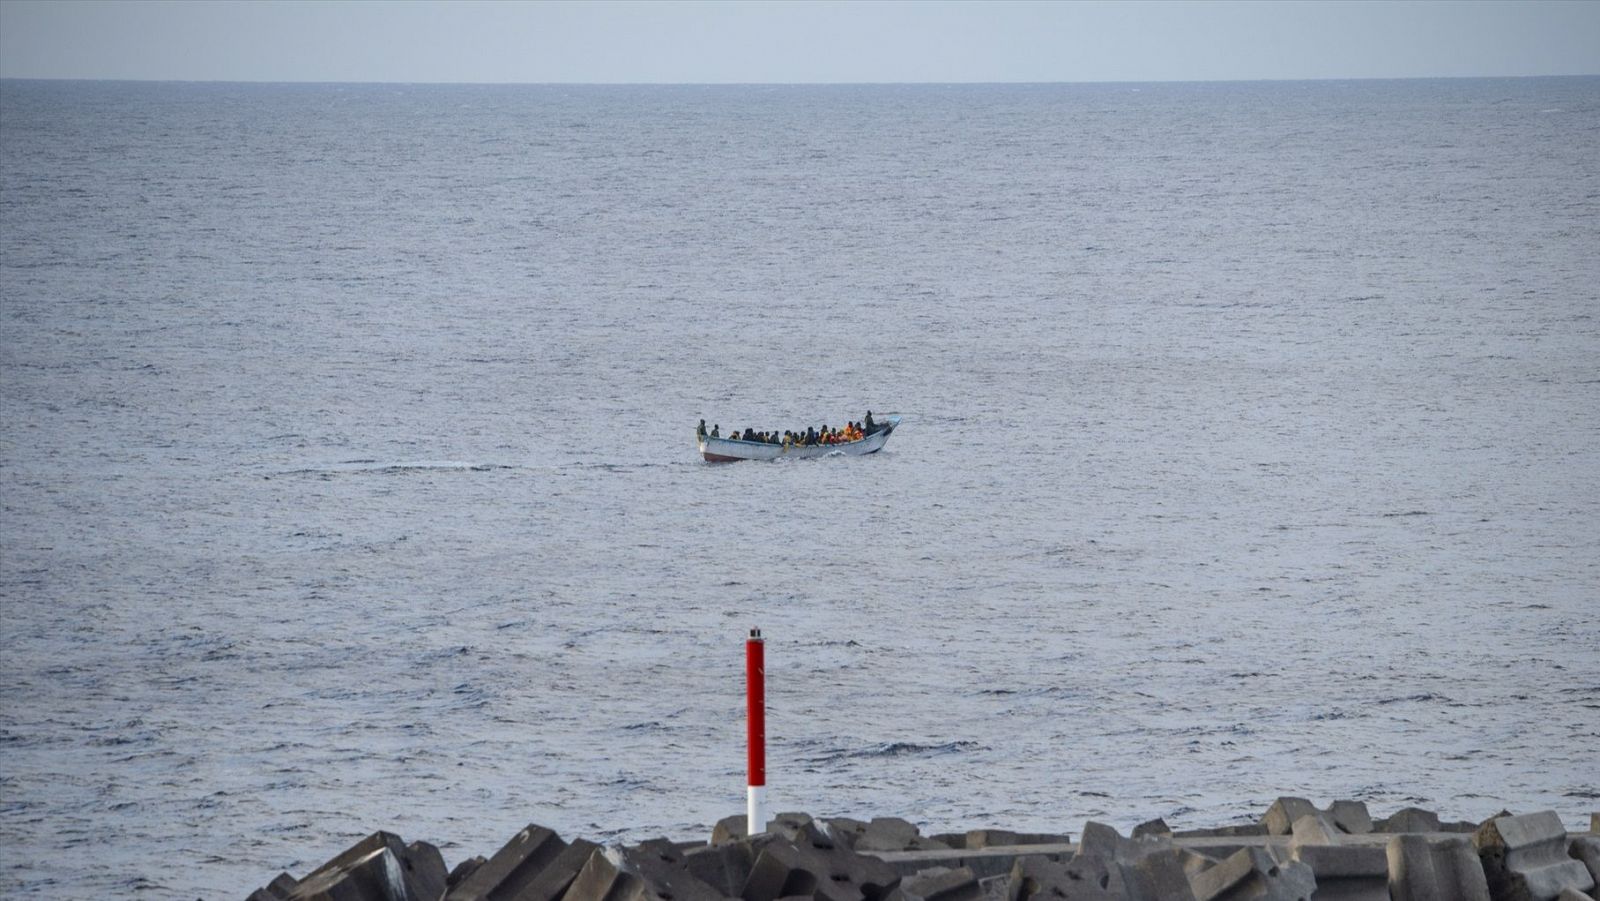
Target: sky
pixel 779 41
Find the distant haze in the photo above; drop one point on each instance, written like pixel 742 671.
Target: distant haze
pixel 793 42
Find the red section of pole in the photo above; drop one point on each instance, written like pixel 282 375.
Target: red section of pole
pixel 755 681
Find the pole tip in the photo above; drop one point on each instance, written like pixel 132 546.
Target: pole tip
pixel 755 633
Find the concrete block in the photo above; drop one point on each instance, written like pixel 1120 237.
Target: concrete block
pixel 955 840
pixel 815 865
pixel 1254 874
pixel 1155 827
pixel 1279 818
pixel 1586 850
pixel 1005 838
pixel 1503 813
pixel 650 871
pixel 425 865
pixel 1351 817
pixel 994 888
pixel 1098 838
pixel 729 829
pixel 1345 870
pixel 1572 894
pixel 844 831
pixel 276 890
pixel 1247 829
pixel 360 850
pixel 783 869
pixel 1525 858
pixel 557 877
pixel 602 879
pixel 378 876
pixel 517 863
pixel 1091 878
pixel 989 838
pixel 463 870
pixel 1408 819
pixel 888 834
pixel 1157 876
pixel 893 834
pixel 732 829
pixel 1594 824
pixel 380 866
pixel 1427 869
pixel 788 824
pixel 1194 862
pixel 1151 869
pixel 724 867
pixel 1313 830
pixel 939 884
pixel 666 873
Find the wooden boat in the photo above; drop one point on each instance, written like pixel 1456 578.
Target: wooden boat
pixel 730 450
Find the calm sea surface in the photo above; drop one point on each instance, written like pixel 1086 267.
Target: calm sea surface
pixel 1251 447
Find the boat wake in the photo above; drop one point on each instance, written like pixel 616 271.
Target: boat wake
pixel 897 749
pixel 387 467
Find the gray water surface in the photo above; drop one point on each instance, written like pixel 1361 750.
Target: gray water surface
pixel 1251 447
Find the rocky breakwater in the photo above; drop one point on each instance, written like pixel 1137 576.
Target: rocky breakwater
pixel 1297 852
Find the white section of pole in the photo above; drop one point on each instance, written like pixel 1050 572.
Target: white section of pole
pixel 755 811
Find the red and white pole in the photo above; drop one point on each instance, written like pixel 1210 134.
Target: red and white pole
pixel 755 681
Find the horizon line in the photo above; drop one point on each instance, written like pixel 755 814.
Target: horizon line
pixel 785 84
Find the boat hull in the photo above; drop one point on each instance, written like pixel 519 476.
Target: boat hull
pixel 731 450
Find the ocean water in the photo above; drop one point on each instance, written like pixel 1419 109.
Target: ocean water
pixel 1251 446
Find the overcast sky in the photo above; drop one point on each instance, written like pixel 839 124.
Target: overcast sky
pixel 793 42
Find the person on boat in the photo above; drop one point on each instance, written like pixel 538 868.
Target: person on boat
pixel 867 424
pixel 749 434
pixel 700 430
pixel 716 431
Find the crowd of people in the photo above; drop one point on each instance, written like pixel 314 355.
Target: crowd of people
pixel 812 436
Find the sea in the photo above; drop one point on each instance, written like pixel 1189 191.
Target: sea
pixel 1250 446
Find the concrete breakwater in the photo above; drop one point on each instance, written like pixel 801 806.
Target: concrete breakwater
pixel 1296 852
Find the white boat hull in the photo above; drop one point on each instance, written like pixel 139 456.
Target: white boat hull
pixel 731 450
